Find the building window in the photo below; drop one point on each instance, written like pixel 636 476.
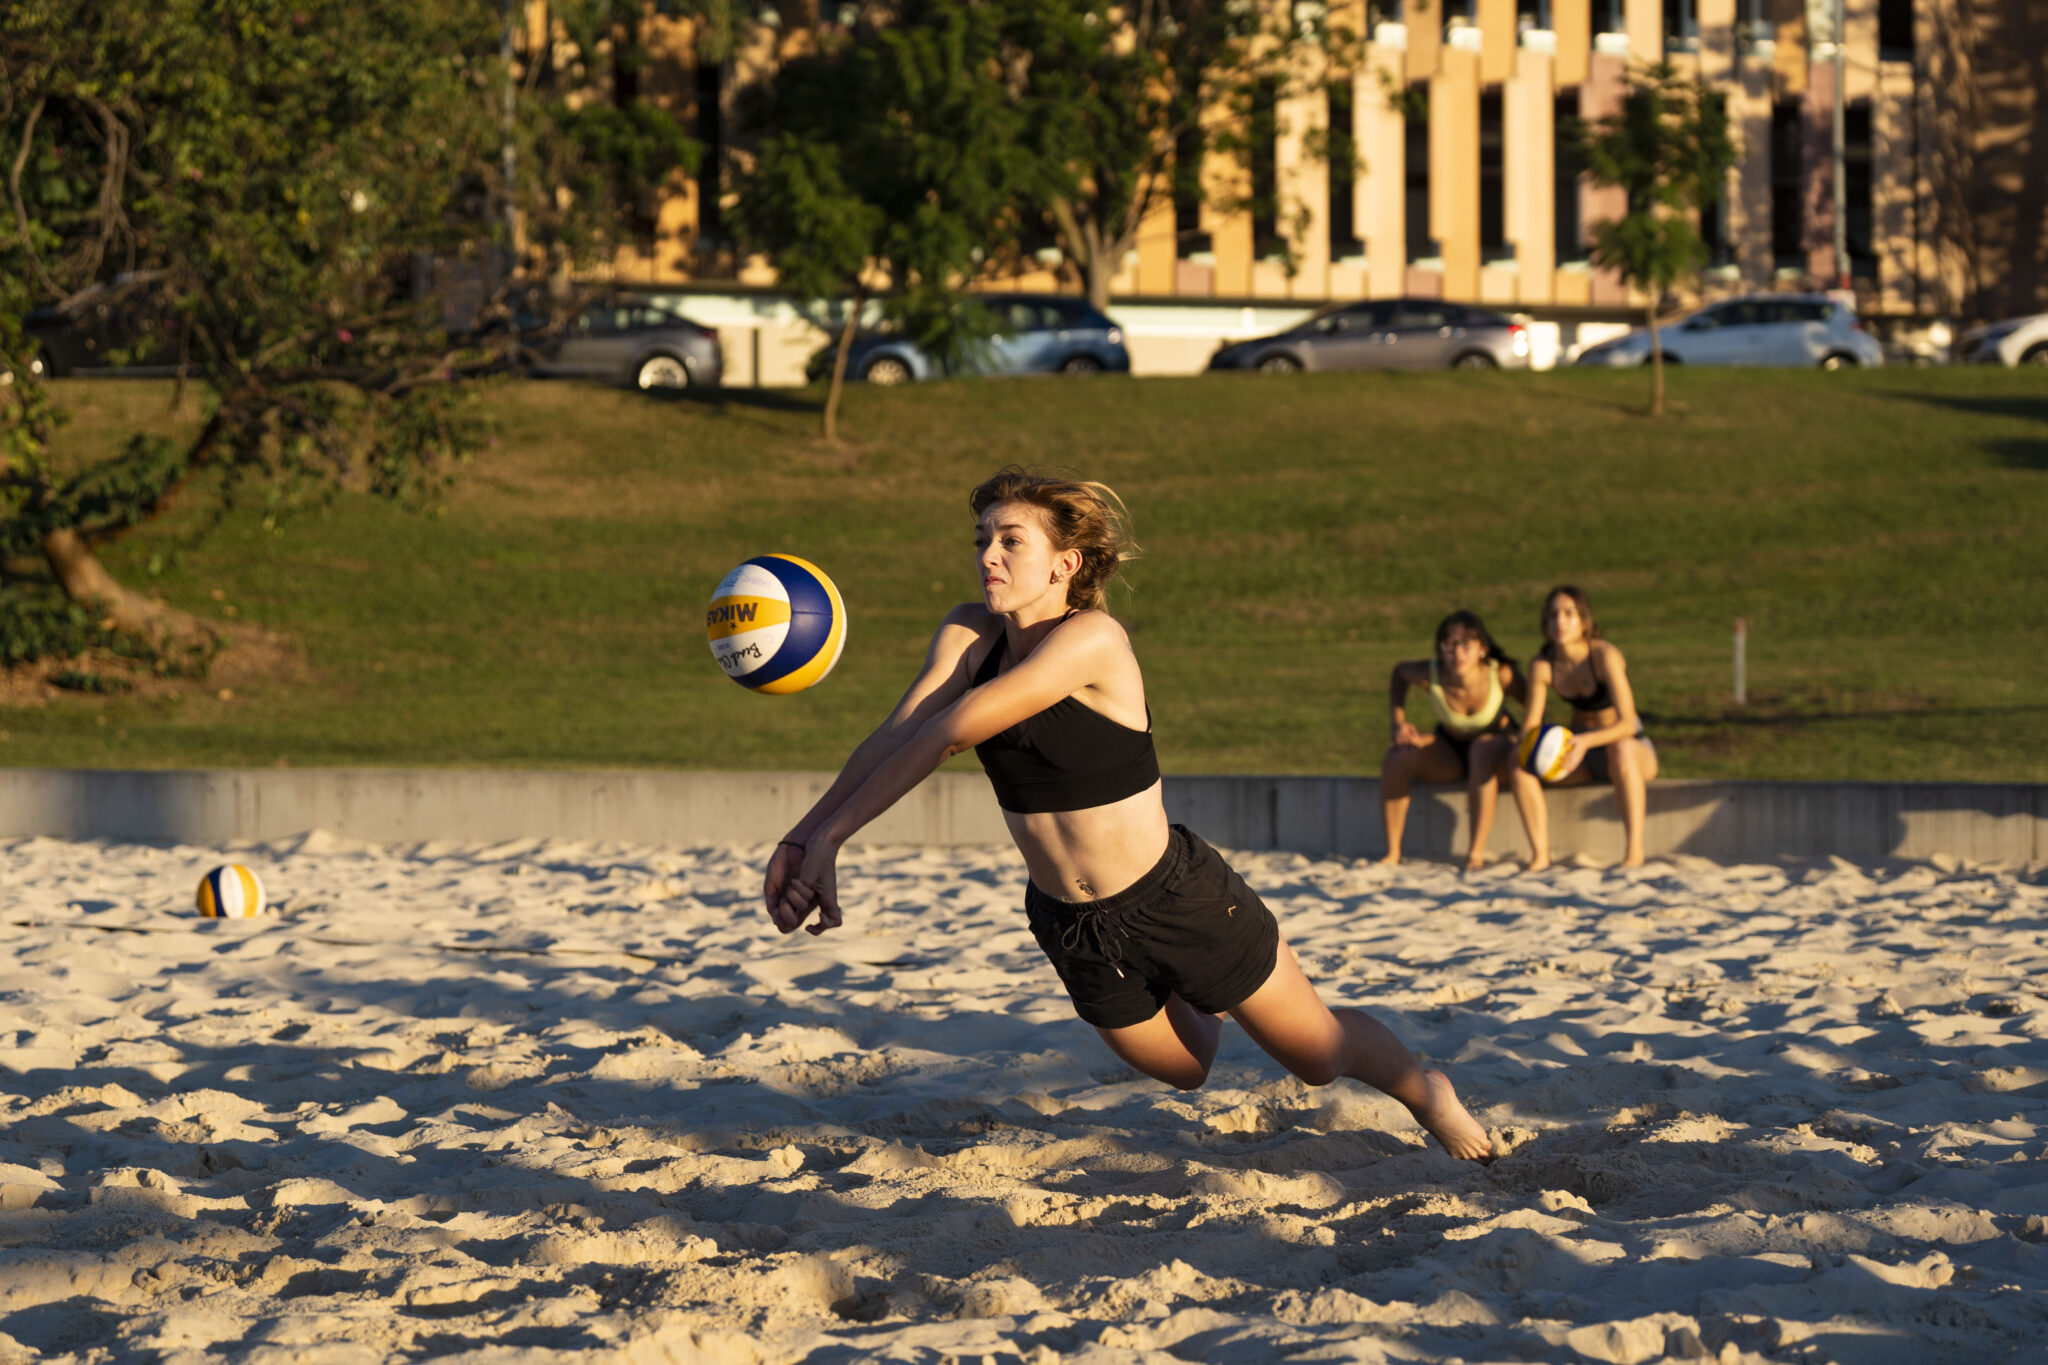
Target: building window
pixel 1714 218
pixel 1681 26
pixel 1343 162
pixel 1187 191
pixel 1415 193
pixel 1264 137
pixel 1493 243
pixel 711 133
pixel 1788 184
pixel 1856 183
pixel 1895 30
pixel 1565 190
pixel 1608 17
pixel 1531 14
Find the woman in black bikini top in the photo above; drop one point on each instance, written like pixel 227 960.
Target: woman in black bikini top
pixel 1608 740
pixel 1152 933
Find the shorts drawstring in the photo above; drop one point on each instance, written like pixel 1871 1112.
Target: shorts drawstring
pixel 1094 918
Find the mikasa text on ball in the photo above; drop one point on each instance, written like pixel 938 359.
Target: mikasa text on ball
pixel 776 624
pixel 230 891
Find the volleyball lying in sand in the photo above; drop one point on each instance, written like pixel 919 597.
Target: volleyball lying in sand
pixel 230 891
pixel 1545 749
pixel 776 624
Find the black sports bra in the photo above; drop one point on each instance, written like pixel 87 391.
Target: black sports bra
pixel 1599 699
pixel 1066 757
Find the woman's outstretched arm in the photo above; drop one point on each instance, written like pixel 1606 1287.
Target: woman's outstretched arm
pixel 1073 657
pixel 943 680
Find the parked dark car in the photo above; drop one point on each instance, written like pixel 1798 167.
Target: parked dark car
pixel 1385 334
pixel 85 338
pixel 1040 334
pixel 625 342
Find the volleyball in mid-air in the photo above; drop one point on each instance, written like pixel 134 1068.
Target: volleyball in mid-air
pixel 776 624
pixel 230 891
pixel 1545 749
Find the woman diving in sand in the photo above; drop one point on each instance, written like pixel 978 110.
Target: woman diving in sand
pixel 1152 933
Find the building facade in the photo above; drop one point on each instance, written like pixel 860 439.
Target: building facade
pixel 1460 189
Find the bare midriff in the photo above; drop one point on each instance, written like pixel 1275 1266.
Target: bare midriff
pixel 1085 855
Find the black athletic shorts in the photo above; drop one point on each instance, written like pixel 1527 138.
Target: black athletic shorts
pixel 1189 927
pixel 1596 762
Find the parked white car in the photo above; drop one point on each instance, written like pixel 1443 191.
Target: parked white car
pixel 1756 329
pixel 2016 341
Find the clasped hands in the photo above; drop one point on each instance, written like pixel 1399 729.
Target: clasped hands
pixel 800 880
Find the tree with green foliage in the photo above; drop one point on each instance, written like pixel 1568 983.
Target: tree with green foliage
pixel 888 162
pixel 1122 102
pixel 283 191
pixel 1668 149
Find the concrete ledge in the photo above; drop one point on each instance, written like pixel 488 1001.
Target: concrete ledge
pixel 1733 821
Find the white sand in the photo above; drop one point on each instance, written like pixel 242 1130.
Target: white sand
pixel 547 1099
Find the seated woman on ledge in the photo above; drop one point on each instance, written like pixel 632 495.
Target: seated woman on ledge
pixel 1608 740
pixel 1469 681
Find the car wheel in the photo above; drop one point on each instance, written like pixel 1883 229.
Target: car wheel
pixel 2036 355
pixel 1279 364
pixel 1838 360
pixel 662 372
pixel 1081 364
pixel 1475 360
pixel 887 371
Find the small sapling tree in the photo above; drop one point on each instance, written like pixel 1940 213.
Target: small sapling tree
pixel 1668 150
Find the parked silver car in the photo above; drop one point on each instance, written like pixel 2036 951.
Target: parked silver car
pixel 1385 334
pixel 1756 329
pixel 626 342
pixel 2015 341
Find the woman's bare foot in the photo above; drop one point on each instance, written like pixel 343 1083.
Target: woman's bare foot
pixel 1392 859
pixel 1634 859
pixel 1448 1122
pixel 1475 862
pixel 1538 864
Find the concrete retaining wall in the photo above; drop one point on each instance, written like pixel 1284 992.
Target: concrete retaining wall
pixel 1861 821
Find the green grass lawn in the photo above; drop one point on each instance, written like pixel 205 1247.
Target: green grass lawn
pixel 1882 532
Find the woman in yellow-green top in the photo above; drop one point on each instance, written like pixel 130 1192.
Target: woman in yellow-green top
pixel 1469 682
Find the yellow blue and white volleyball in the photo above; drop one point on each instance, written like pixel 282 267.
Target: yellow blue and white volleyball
pixel 1544 751
pixel 776 624
pixel 230 891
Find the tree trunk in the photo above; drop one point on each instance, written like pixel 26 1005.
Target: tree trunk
pixel 1656 365
pixel 838 384
pixel 86 581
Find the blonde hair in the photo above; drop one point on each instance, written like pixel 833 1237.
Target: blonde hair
pixel 1079 515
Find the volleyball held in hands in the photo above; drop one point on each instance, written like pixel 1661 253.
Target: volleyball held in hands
pixel 1544 751
pixel 230 891
pixel 776 624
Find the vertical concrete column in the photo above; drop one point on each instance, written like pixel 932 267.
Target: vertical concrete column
pixel 1606 80
pixel 1860 33
pixel 1227 180
pixel 1528 113
pixel 1425 21
pixel 1572 21
pixel 1789 59
pixel 1645 20
pixel 1893 229
pixel 1382 147
pixel 1717 42
pixel 1496 41
pixel 1454 169
pixel 1304 181
pixel 1157 248
pixel 1818 125
pixel 1749 198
